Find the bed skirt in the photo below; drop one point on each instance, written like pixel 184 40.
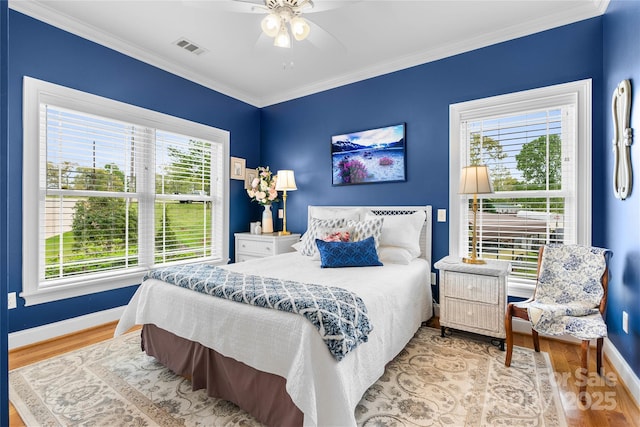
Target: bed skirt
pixel 261 394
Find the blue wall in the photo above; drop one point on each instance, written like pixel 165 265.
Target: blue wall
pixel 296 134
pixel 622 218
pixel 4 364
pixel 48 53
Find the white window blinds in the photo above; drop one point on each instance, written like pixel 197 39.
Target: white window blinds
pixel 531 159
pixel 111 190
pixel 91 207
pixel 183 191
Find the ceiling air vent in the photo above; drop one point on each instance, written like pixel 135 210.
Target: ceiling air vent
pixel 189 46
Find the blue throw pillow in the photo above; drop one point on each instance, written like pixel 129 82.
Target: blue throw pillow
pixel 348 254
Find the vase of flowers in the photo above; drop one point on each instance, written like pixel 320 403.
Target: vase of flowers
pixel 263 191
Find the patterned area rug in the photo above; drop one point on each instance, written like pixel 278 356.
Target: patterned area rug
pixel 452 381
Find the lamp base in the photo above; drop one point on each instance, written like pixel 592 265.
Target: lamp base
pixel 473 261
pixel 283 233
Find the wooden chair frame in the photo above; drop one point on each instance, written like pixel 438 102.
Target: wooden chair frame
pixel 521 313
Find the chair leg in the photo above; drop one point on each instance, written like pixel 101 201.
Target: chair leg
pixel 582 393
pixel 536 340
pixel 599 343
pixel 509 332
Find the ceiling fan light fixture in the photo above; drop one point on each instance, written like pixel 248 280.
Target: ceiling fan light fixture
pixel 283 39
pixel 271 24
pixel 300 28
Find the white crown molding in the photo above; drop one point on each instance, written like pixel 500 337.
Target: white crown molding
pixel 590 10
pixel 40 11
pixel 601 5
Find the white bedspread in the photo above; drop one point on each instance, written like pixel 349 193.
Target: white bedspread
pixel 397 297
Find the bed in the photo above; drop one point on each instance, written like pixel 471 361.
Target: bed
pixel 274 364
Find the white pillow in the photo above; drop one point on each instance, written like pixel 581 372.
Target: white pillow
pixel 402 231
pixel 394 255
pixel 307 245
pixel 322 212
pixel 367 228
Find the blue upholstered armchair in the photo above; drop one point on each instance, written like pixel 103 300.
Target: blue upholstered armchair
pixel 570 298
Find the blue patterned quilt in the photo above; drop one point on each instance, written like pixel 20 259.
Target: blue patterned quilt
pixel 339 315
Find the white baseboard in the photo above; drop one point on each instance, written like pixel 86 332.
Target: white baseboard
pixel 53 330
pixel 627 376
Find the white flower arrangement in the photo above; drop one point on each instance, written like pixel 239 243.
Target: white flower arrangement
pixel 263 188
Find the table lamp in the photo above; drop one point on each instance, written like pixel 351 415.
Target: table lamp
pixel 285 182
pixel 475 180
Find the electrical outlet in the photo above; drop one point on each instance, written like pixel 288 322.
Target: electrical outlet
pixel 11 300
pixel 442 215
pixel 280 213
pixel 625 322
pixel 433 278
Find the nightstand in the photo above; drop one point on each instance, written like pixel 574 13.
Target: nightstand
pixel 251 246
pixel 473 297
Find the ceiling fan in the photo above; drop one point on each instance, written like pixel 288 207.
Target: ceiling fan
pixel 281 13
pixel 284 17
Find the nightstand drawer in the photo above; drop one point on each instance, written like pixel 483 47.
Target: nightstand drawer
pixel 481 316
pixel 253 246
pixel 245 257
pixel 472 287
pixel 261 248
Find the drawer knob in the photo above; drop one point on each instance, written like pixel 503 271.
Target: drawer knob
pixel 268 249
pixel 243 245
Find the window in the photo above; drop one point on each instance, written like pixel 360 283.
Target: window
pixel 537 145
pixel 111 190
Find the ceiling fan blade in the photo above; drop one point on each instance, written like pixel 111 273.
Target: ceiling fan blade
pixel 322 39
pixel 324 5
pixel 263 42
pixel 237 6
pixel 255 5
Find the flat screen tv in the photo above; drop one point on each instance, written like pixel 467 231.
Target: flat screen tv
pixel 369 156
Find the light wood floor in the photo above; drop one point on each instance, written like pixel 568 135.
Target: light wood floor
pixel 611 406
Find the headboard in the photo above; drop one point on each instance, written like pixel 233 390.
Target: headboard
pixel 359 212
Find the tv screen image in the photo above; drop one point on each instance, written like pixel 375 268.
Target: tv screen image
pixel 369 156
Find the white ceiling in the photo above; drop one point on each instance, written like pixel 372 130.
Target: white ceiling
pixel 351 42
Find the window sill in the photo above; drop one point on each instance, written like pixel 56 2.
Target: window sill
pixel 520 290
pixel 84 286
pixel 78 286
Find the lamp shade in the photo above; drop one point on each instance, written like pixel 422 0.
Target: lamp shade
pixel 286 181
pixel 271 24
pixel 300 28
pixel 475 180
pixel 283 39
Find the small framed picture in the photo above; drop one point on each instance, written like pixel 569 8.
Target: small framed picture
pixel 249 175
pixel 237 168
